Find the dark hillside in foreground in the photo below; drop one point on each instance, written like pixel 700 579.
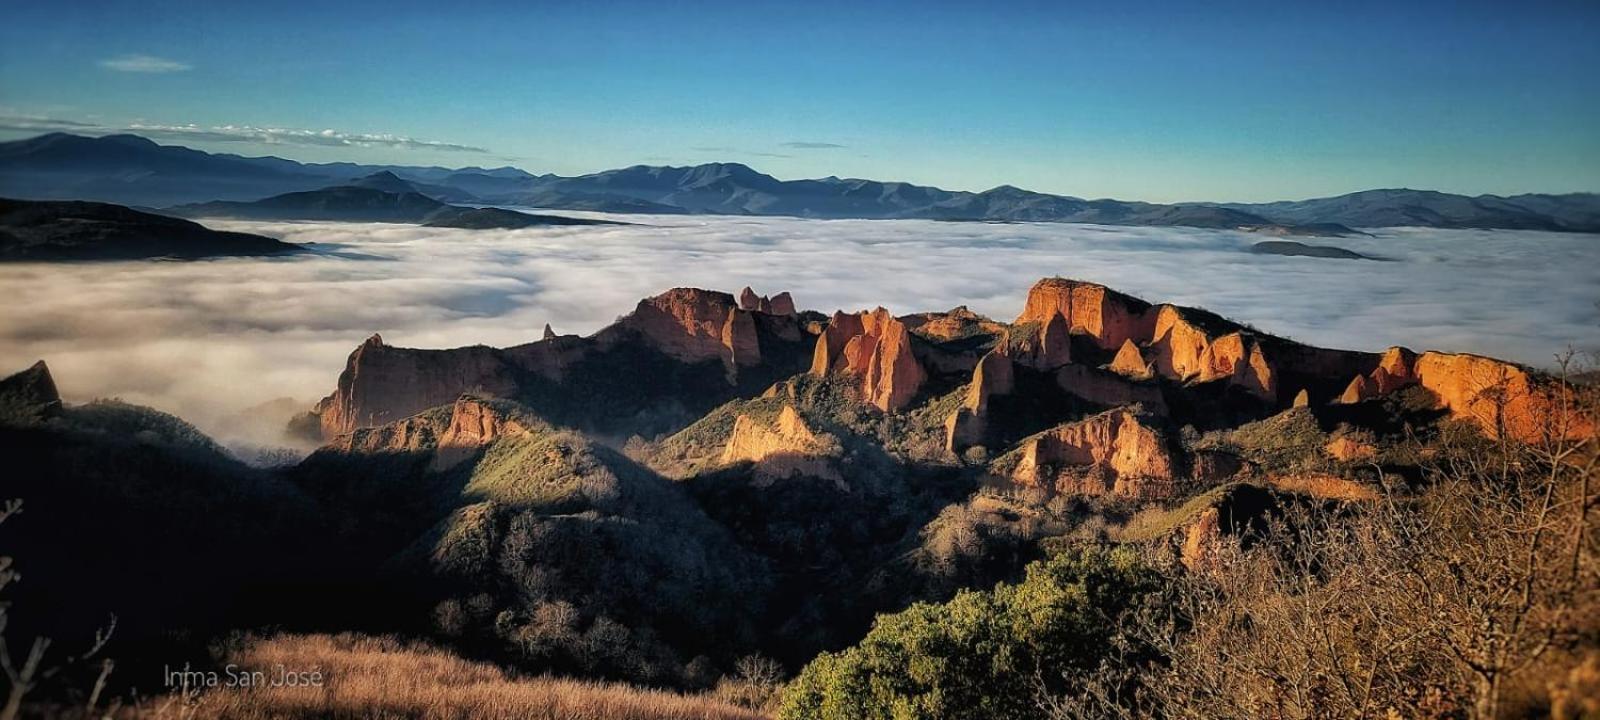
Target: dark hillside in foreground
pixel 56 231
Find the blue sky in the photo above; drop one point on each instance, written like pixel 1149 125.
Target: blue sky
pixel 1138 100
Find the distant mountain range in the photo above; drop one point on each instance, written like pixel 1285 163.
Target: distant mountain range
pixel 381 197
pixel 134 170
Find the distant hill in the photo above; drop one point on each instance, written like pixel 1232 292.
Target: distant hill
pixel 49 231
pixel 499 219
pixel 133 170
pixel 387 181
pixel 1291 248
pixel 1576 212
pixel 344 203
pixel 367 202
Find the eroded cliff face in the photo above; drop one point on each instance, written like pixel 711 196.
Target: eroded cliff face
pixel 993 376
pixel 470 424
pixel 1104 314
pixel 1133 353
pixel 1501 397
pixel 474 423
pixel 1113 453
pixel 690 324
pixel 381 383
pixel 876 348
pixel 785 448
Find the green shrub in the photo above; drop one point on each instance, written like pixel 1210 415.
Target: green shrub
pixel 983 654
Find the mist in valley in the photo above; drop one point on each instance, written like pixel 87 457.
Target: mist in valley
pixel 237 345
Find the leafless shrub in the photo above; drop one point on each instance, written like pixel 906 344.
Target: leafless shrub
pixel 1451 601
pixel 24 677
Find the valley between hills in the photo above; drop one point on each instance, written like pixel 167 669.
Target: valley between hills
pixel 741 507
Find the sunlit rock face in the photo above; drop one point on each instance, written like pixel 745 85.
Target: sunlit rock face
pixel 1113 453
pixel 1104 314
pixel 876 348
pixel 382 383
pixel 1502 398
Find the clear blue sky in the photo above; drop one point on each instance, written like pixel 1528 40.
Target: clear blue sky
pixel 1139 100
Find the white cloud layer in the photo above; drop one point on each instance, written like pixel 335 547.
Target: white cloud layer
pixel 205 339
pixel 143 64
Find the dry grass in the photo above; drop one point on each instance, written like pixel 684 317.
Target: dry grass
pixel 1323 486
pixel 382 677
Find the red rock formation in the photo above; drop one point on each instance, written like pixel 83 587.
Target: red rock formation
pixel 1095 310
pixel 1302 399
pixel 877 347
pixel 1399 364
pixel 741 346
pixel 1110 389
pixel 782 304
pixel 474 424
pixel 685 323
pixel 993 375
pixel 1358 390
pixel 1129 361
pixel 1055 344
pixel 381 384
pixel 1500 397
pixel 1177 346
pixel 831 342
pixel 417 433
pixel 956 323
pixel 748 300
pixel 1110 453
pixel 784 449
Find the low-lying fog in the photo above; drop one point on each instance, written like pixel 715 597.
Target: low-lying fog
pixel 208 339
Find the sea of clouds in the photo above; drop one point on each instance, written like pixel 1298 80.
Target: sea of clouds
pixel 209 339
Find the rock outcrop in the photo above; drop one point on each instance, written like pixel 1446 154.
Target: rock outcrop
pixel 1359 390
pixel 781 449
pixel 876 347
pixel 748 299
pixel 381 384
pixel 1101 313
pixel 994 375
pixel 549 332
pixel 954 324
pixel 782 304
pixel 1502 398
pixel 1129 361
pixel 689 326
pixel 29 395
pixel 1113 453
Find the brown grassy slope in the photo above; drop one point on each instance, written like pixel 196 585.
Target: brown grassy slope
pixel 382 677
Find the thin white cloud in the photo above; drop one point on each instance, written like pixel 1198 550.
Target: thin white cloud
pixel 144 64
pixel 293 136
pixel 234 133
pixel 811 145
pixel 183 336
